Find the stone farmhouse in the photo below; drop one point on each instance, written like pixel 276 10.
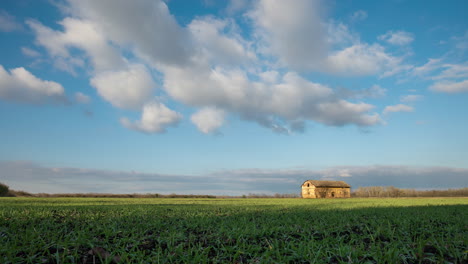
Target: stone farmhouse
pixel 325 189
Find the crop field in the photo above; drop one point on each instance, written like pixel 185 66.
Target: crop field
pixel 113 230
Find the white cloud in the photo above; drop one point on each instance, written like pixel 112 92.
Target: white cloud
pixel 208 120
pixel 277 105
pixel 8 22
pixel 448 77
pixel 436 69
pixel 452 71
pixel 411 98
pixel 431 65
pixel 222 48
pixel 210 64
pixel 156 117
pixel 339 35
pixel 450 86
pixel 269 76
pixel 399 38
pixel 293 31
pixel 82 98
pixel 360 59
pixel 30 52
pixel 359 15
pixel 80 34
pixel 153 34
pixel 22 86
pixel 342 112
pixel 128 89
pixel 398 108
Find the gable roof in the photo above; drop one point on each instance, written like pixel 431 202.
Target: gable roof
pixel 341 184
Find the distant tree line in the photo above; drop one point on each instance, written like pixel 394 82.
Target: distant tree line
pixel 5 191
pixel 276 195
pixel 157 195
pixel 129 195
pixel 390 191
pixel 372 191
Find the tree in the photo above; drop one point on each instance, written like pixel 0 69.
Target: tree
pixel 4 189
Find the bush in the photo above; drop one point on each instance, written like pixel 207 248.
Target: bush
pixel 4 189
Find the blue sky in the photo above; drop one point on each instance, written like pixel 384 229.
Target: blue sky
pixel 225 96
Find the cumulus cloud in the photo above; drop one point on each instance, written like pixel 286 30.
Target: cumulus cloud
pixel 293 31
pixel 342 112
pixel 339 35
pixel 398 108
pixel 222 48
pixel 210 64
pixel 450 86
pixel 399 38
pixel 375 91
pixel 20 85
pixel 269 76
pixel 278 106
pixel 208 120
pixel 82 98
pixel 156 117
pixel 35 178
pixel 8 22
pixel 360 59
pixel 128 89
pixel 81 34
pixel 153 34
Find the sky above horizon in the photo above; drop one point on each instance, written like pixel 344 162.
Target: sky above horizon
pixel 232 97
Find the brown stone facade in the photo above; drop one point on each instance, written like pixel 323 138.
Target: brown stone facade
pixel 325 189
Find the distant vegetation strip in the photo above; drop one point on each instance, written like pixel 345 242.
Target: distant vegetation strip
pixel 361 192
pixel 390 191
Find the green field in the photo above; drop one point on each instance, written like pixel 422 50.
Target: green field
pixel 90 230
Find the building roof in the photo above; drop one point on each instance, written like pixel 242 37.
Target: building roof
pixel 341 184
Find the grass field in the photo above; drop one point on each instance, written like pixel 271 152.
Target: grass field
pixel 89 230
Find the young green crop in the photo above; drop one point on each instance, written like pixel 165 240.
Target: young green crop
pixel 87 230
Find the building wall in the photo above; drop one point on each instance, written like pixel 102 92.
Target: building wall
pixel 323 192
pixel 308 192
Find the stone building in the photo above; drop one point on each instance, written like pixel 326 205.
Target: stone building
pixel 325 189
